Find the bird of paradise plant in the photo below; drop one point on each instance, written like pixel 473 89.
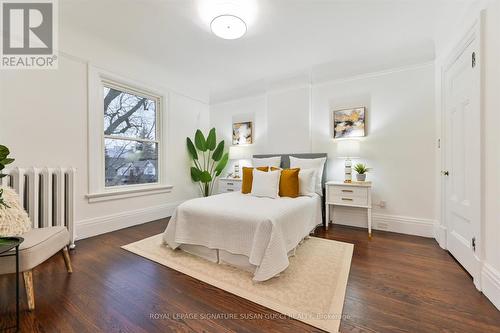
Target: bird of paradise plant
pixel 208 158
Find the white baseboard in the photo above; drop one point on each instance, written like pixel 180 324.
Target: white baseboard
pixel 440 234
pixel 491 284
pixel 104 224
pixel 394 223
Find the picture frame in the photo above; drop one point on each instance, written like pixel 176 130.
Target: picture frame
pixel 243 133
pixel 349 123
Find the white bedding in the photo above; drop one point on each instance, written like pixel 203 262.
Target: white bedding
pixel 262 229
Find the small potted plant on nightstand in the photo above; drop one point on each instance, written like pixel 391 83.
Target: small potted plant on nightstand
pixel 361 171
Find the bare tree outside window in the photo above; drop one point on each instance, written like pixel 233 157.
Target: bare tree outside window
pixel 130 137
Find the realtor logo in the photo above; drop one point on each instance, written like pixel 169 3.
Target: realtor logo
pixel 29 34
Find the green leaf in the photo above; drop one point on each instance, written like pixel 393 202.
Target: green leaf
pixel 211 140
pixel 199 141
pixel 191 149
pixel 7 161
pixel 4 152
pixel 2 175
pixel 195 174
pixel 205 177
pixel 217 155
pixel 222 164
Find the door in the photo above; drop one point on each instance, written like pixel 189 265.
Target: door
pixel 462 156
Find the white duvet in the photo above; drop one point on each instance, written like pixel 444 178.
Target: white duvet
pixel 262 229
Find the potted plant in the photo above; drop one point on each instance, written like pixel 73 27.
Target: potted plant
pixel 4 160
pixel 208 158
pixel 361 171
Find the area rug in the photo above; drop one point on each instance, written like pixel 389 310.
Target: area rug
pixel 311 289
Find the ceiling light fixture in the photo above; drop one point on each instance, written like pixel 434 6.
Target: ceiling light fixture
pixel 228 26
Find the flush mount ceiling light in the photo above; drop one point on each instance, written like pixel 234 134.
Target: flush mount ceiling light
pixel 228 26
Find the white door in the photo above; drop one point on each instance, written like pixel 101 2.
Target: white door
pixel 462 156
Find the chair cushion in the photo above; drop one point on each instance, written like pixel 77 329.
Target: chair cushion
pixel 38 246
pixel 14 221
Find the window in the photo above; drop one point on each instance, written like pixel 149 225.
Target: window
pixel 127 143
pixel 131 136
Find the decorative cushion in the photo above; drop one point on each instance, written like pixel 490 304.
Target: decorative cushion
pixel 14 221
pixel 289 183
pixel 246 184
pixel 267 161
pixel 307 184
pixel 265 184
pixel 317 164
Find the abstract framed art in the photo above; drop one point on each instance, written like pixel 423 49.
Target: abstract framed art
pixel 349 123
pixel 242 133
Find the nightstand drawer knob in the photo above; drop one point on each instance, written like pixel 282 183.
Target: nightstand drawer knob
pixel 230 183
pixel 346 199
pixel 347 191
pixel 229 190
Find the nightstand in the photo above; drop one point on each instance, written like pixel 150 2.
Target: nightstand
pixel 349 195
pixel 229 185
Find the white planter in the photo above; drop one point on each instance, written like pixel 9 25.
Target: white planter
pixel 361 177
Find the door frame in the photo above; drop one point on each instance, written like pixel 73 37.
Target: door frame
pixel 474 33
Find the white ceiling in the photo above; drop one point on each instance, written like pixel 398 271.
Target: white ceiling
pixel 325 39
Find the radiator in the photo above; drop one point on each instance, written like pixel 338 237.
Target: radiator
pixel 47 194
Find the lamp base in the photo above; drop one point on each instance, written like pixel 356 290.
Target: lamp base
pixel 236 170
pixel 348 171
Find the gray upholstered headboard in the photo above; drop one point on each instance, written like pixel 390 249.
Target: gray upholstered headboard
pixel 285 161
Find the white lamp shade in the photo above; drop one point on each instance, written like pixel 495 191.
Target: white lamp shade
pixel 348 149
pixel 239 153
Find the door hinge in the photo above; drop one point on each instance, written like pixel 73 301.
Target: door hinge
pixel 473 59
pixel 473 244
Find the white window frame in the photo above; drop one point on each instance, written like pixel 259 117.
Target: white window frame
pixel 97 79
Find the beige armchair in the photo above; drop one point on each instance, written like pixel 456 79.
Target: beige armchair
pixel 38 246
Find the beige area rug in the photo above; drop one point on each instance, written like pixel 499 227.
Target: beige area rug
pixel 311 289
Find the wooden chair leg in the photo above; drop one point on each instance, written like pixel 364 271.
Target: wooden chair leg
pixel 30 291
pixel 67 259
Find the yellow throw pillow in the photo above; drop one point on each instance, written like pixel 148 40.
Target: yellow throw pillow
pixel 289 183
pixel 246 186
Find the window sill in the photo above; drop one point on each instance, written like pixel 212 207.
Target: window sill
pixel 128 193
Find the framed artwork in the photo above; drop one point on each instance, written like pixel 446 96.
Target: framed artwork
pixel 242 133
pixel 349 123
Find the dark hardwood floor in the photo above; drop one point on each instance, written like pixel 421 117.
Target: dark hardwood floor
pixel 397 283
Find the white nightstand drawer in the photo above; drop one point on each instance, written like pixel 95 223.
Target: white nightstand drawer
pixel 224 189
pixel 347 191
pixel 229 185
pixel 348 200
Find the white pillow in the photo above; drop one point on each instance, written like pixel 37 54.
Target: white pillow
pixel 317 164
pixel 14 221
pixel 267 161
pixel 307 183
pixel 266 184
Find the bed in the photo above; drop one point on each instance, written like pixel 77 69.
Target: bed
pixel 254 234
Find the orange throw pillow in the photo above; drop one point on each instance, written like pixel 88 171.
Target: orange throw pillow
pixel 246 186
pixel 289 183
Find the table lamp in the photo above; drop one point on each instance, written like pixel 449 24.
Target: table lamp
pixel 237 153
pixel 348 150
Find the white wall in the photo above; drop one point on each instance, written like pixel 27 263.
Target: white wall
pixel 43 120
pixel 399 144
